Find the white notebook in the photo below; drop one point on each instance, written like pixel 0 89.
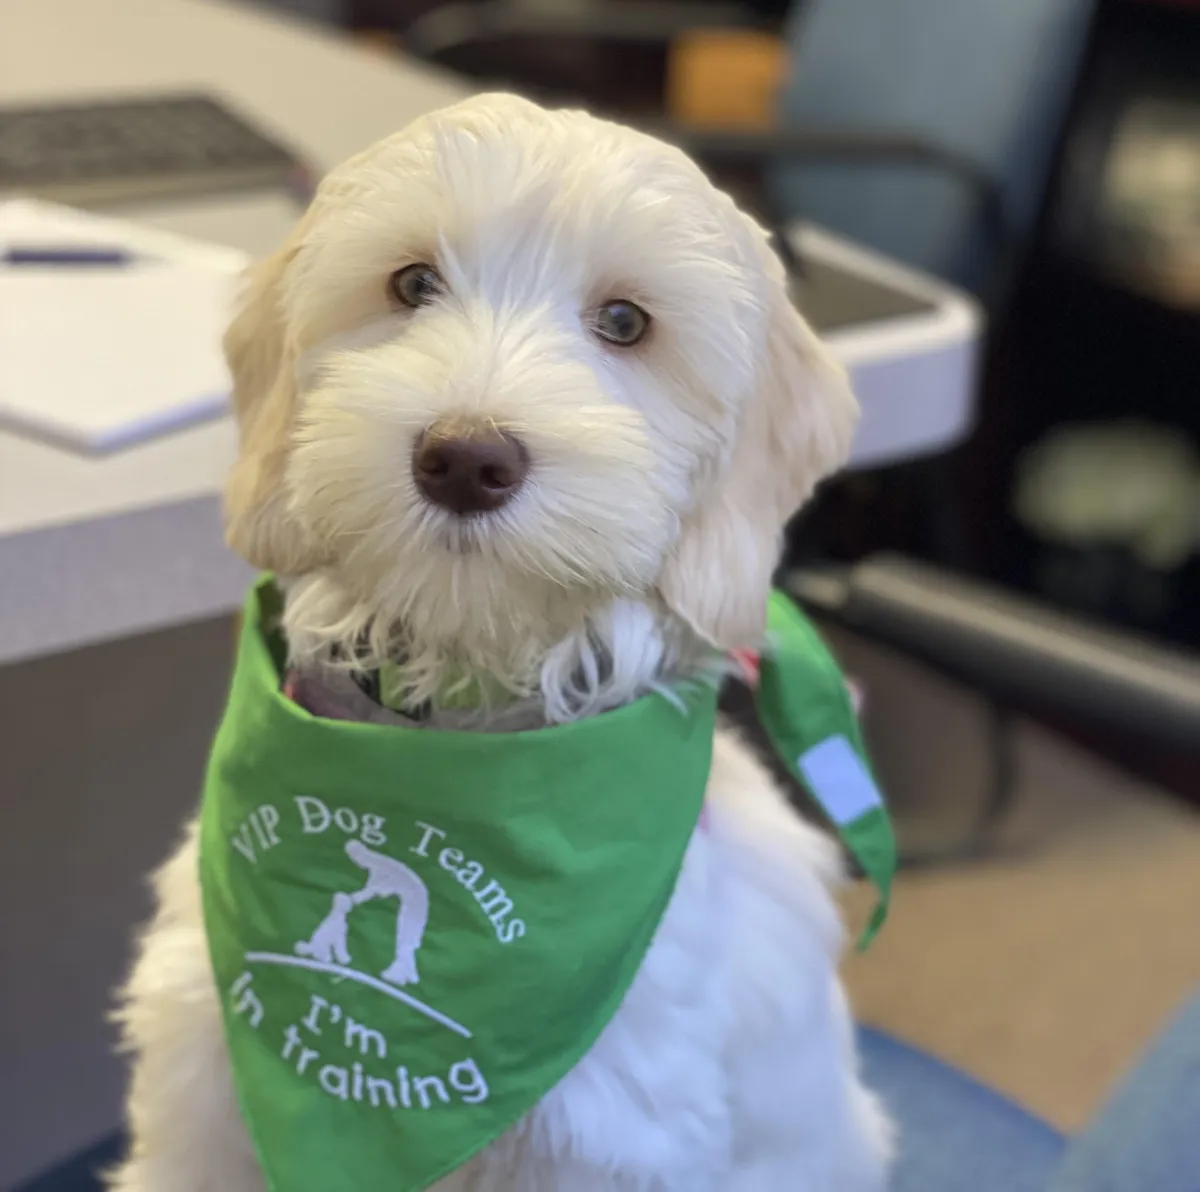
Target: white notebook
pixel 98 358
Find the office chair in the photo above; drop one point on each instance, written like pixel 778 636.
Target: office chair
pixel 924 128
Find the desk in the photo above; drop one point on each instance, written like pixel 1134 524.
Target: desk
pixel 115 585
pixel 96 549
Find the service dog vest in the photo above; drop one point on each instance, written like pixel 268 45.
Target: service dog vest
pixel 416 933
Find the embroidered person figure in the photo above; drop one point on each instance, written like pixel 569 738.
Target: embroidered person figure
pixel 386 878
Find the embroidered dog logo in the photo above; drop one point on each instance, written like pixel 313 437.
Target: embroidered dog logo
pixel 385 948
pixel 386 878
pixel 348 1047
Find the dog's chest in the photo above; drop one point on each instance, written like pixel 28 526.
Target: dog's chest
pixel 649 1100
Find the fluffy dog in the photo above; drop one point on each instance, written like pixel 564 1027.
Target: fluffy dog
pixel 523 404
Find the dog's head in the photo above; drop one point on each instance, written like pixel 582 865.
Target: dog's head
pixel 515 366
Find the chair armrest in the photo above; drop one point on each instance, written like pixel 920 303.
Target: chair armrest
pixel 854 147
pixel 1011 647
pixel 652 22
pixel 656 22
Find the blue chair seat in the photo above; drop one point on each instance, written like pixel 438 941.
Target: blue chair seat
pixel 958 1136
pixel 949 1124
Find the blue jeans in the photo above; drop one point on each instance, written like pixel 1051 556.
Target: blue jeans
pixel 957 1136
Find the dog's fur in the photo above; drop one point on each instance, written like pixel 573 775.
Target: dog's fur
pixel 638 551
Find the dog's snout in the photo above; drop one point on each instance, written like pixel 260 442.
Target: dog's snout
pixel 469 473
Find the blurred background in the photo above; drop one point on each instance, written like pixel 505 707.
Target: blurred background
pixel 992 210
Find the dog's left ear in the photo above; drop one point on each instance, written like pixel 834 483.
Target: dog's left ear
pixel 796 428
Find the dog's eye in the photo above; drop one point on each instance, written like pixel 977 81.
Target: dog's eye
pixel 621 322
pixel 416 285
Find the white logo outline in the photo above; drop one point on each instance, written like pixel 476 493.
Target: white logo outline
pixel 326 951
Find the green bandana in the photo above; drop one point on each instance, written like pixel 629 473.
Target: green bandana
pixel 417 933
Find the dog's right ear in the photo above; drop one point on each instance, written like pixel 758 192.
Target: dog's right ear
pixel 796 428
pixel 261 359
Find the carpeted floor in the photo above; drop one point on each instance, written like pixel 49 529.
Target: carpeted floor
pixel 1043 969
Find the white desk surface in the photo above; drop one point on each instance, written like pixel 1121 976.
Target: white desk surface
pixel 92 549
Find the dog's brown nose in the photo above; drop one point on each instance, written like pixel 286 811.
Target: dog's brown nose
pixel 473 473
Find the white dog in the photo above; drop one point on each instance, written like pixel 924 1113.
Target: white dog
pixel 523 400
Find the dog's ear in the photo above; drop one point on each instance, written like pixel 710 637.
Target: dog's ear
pixel 795 429
pixel 261 360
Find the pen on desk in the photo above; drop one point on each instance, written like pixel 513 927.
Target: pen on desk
pixel 66 256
